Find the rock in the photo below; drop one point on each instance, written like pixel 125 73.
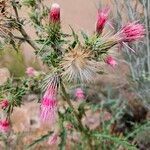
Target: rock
pixel 4 75
pixel 26 117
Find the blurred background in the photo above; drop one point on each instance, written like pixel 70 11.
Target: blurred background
pixel 130 81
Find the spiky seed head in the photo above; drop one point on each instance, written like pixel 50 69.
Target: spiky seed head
pixel 78 66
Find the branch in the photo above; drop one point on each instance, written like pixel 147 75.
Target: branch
pixel 21 29
pixel 12 36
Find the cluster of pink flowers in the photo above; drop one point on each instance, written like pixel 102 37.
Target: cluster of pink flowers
pixel 4 126
pixel 102 19
pixel 54 13
pixel 4 104
pixel 128 33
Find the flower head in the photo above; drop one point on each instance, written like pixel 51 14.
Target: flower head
pixel 79 93
pixel 53 139
pixel 131 32
pixel 111 61
pixel 48 109
pixel 4 126
pixel 102 19
pixel 78 66
pixel 30 71
pixel 49 102
pixel 54 14
pixel 4 104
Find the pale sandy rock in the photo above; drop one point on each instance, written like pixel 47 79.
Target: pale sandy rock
pixel 4 75
pixel 26 117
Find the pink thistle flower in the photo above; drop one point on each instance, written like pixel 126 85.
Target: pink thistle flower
pixel 48 107
pixel 79 93
pixel 4 126
pixel 4 104
pixel 49 101
pixel 53 139
pixel 30 71
pixel 102 19
pixel 54 13
pixel 131 32
pixel 111 61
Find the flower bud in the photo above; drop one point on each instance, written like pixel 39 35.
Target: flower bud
pixel 102 19
pixel 54 13
pixel 111 61
pixel 31 71
pixel 79 94
pixel 4 126
pixel 4 104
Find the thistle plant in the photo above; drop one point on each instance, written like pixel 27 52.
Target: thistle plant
pixel 139 61
pixel 70 62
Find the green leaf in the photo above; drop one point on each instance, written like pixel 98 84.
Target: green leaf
pixel 116 140
pixel 84 36
pixel 41 139
pixel 138 129
pixel 75 36
pixel 29 2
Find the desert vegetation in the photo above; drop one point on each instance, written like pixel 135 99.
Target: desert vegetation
pixel 85 91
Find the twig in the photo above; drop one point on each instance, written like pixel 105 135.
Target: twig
pixel 13 36
pixel 21 29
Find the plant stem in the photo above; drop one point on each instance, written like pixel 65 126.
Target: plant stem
pixel 21 29
pixel 81 127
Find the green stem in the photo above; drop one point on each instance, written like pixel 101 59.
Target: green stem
pixel 82 129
